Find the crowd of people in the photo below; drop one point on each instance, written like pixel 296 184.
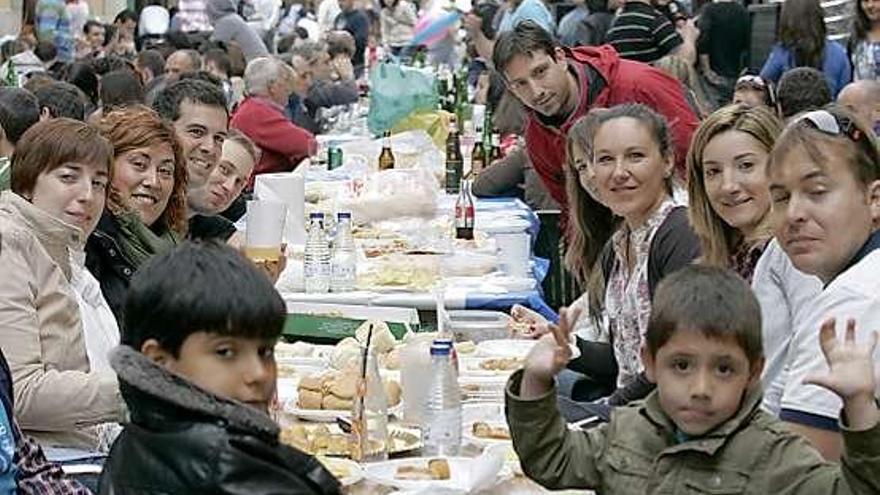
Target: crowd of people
pixel 722 223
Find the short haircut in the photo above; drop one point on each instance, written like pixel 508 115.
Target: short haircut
pixel 45 51
pixel 802 89
pixel 525 39
pixel 168 101
pixel 340 42
pixel 200 287
pixel 120 88
pixel 859 148
pixel 245 142
pixel 193 56
pixel 110 63
pixel 50 144
pixel 90 24
pixel 139 126
pixel 62 100
pixel 19 110
pixel 263 71
pixel 220 58
pixel 151 59
pixel 308 50
pixel 710 300
pixel 203 75
pixel 83 76
pixel 286 43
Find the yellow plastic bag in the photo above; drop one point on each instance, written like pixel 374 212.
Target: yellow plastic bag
pixel 435 123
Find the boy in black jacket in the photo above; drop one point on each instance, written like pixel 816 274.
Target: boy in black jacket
pixel 197 371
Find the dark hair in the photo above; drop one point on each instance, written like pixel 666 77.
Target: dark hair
pixel 111 63
pixel 802 31
pixel 486 12
pixel 859 147
pixel 802 89
pixel 219 58
pixel 62 100
pixel 90 24
pixel 45 51
pixel 168 101
pixel 50 144
pixel 125 15
pixel 340 42
pixel 151 59
pixel 121 88
pixel 286 43
pixel 11 48
pixel 861 26
pixel 19 110
pixel 525 39
pixel 203 75
pixel 83 76
pixel 710 300
pixel 200 287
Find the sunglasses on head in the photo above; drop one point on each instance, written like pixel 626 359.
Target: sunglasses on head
pixel 836 125
pixel 751 81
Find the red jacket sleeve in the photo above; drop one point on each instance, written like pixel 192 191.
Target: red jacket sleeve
pixel 272 131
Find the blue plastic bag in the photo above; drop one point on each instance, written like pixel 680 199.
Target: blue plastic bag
pixel 395 92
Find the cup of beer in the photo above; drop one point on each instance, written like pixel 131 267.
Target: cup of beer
pixel 265 226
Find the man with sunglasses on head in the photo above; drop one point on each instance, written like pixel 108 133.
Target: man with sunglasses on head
pixel 824 180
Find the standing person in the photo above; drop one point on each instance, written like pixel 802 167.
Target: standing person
pixel 52 23
pixel 397 20
pixel 559 85
pixel 354 21
pixel 60 177
pixel 328 11
pixel 230 27
pixel 192 16
pixel 642 33
pixel 824 175
pixel 864 43
pixel 571 30
pixel 722 46
pixel 803 43
pixel 261 117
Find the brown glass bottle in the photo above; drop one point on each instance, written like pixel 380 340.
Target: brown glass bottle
pixel 386 158
pixel 495 153
pixel 454 160
pixel 478 157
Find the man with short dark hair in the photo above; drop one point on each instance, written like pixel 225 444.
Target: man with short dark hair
pixel 323 92
pixel 19 110
pixel 150 65
pixel 61 99
pixel 802 89
pixel 197 109
pixel 559 85
pixel 93 32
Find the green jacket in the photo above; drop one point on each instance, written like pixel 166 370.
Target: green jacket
pixel 5 173
pixel 637 453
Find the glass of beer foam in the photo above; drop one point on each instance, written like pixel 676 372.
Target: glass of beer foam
pixel 264 228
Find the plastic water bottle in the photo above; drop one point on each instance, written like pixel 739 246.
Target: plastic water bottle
pixel 344 256
pixel 441 428
pixel 316 267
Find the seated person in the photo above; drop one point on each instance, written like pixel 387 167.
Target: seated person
pixel 59 187
pixel 702 428
pixel 800 90
pixel 754 91
pixel 197 371
pixel 19 110
pixel 824 179
pixel 863 99
pixel 146 213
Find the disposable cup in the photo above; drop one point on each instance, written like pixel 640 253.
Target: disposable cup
pixel 265 226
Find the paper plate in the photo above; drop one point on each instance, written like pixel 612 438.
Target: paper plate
pixel 467 433
pixel 402 441
pixel 516 348
pixel 327 415
pixel 460 470
pixel 488 366
pixel 346 471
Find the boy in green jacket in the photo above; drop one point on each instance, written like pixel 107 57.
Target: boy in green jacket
pixel 701 430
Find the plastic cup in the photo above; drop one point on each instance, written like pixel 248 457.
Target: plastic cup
pixel 265 226
pixel 514 250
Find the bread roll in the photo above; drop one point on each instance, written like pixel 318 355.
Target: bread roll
pixel 382 340
pixel 312 382
pixel 343 386
pixel 392 392
pixel 331 402
pixel 309 399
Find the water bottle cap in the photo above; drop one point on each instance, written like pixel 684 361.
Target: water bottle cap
pixel 443 341
pixel 344 215
pixel 316 215
pixel 440 350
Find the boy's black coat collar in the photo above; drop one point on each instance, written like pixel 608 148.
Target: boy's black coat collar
pixel 157 397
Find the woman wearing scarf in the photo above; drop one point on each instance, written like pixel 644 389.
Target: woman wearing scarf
pixel 146 206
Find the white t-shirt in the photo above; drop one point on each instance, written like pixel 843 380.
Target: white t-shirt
pixel 855 294
pixel 784 293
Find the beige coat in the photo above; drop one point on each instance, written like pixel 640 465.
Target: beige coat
pixel 57 399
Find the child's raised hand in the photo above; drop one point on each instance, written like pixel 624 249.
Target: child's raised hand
pixel 851 372
pixel 553 351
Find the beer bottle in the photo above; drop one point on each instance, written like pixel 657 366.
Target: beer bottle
pixel 454 160
pixel 478 156
pixel 386 158
pixel 495 153
pixel 464 213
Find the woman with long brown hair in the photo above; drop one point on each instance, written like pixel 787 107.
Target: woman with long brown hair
pixel 802 43
pixel 146 207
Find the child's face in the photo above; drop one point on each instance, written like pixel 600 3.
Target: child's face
pixel 701 381
pixel 231 367
pixel 750 97
pixel 821 214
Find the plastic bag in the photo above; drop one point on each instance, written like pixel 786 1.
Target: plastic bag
pixel 435 123
pixel 397 91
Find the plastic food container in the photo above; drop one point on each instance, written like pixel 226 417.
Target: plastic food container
pixel 478 325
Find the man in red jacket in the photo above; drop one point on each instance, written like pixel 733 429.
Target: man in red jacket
pixel 269 83
pixel 559 85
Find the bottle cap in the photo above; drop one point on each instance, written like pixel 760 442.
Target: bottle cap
pixel 316 215
pixel 343 215
pixel 440 349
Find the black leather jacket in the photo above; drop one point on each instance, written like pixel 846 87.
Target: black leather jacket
pixel 108 265
pixel 184 440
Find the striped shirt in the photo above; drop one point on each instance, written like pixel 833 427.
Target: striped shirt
pixel 641 32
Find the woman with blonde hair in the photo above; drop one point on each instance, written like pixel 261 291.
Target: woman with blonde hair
pixel 727 185
pixel 146 209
